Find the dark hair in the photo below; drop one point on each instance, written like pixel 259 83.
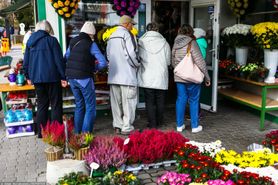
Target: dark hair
pixel 186 29
pixel 152 27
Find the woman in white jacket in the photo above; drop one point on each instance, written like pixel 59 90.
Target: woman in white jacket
pixel 155 56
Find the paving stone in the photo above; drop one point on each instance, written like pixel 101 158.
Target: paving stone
pixel 151 183
pixel 144 176
pixel 146 181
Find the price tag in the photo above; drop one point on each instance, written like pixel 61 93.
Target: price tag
pixel 94 166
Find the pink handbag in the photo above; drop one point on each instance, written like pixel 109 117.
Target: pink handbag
pixel 188 70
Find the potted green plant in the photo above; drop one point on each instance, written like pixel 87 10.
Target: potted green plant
pixel 54 135
pixel 80 144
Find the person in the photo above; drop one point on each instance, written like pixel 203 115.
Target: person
pixel 45 68
pixel 25 39
pixel 188 91
pixel 200 35
pixel 81 56
pixel 155 57
pixel 122 75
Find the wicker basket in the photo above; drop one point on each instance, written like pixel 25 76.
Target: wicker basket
pixel 54 153
pixel 79 154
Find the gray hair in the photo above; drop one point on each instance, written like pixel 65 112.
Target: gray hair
pixel 45 26
pixel 152 27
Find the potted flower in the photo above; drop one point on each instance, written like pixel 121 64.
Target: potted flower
pixel 80 144
pixel 120 177
pixel 106 153
pixel 78 179
pixel 266 36
pixel 174 178
pixel 54 135
pixel 271 141
pixel 239 36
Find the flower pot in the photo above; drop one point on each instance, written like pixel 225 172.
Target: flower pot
pixel 241 55
pixel 54 153
pixel 79 154
pixel 270 62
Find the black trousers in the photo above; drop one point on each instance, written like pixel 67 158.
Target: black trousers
pixel 155 103
pixel 48 94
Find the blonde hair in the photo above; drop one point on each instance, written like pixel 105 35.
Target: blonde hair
pixel 45 26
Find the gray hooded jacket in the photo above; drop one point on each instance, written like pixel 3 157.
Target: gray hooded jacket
pixel 179 52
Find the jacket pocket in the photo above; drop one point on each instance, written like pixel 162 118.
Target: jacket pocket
pixel 132 92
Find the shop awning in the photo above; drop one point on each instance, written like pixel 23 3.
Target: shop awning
pixel 20 4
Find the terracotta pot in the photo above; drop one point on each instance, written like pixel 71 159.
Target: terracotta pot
pixel 79 154
pixel 54 153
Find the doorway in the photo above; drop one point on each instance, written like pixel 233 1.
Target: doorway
pixel 205 15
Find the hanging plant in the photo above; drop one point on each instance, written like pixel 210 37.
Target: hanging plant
pixel 126 7
pixel 65 8
pixel 239 7
pixel 275 4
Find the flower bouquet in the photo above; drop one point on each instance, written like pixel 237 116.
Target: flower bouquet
pixel 266 34
pixel 65 8
pixel 238 7
pixel 247 70
pixel 271 140
pixel 126 7
pixel 80 144
pixel 228 67
pixel 238 35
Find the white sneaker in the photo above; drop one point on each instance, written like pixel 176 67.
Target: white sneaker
pixel 181 128
pixel 198 129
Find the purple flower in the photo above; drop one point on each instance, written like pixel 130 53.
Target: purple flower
pixel 123 4
pixel 123 13
pixel 118 8
pixel 130 9
pixel 131 3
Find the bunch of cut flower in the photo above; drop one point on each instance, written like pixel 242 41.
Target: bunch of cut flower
pixel 266 34
pixel 65 8
pixel 255 159
pixel 126 7
pixel 271 140
pixel 151 146
pixel 238 35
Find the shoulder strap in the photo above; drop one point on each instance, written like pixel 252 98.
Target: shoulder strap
pixel 188 48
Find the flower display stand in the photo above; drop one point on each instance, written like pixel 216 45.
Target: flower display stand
pixel 57 169
pixel 137 167
pixel 270 62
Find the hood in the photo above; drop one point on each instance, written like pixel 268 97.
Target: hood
pixel 152 42
pixel 202 43
pixel 181 41
pixel 35 37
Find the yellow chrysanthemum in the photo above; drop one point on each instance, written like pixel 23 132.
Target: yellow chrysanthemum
pixel 65 9
pixel 73 11
pixel 55 5
pixel 72 4
pixel 60 3
pixel 118 172
pixel 60 12
pixel 67 15
pixel 67 3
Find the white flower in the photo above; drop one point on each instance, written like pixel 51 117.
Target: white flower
pixel 242 29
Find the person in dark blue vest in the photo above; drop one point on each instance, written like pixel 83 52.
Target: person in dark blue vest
pixel 45 68
pixel 81 56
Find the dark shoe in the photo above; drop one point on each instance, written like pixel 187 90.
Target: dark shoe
pixel 125 133
pixel 117 130
pixel 39 135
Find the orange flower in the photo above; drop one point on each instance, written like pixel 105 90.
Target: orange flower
pixel 67 3
pixel 60 12
pixel 60 3
pixel 73 11
pixel 76 6
pixel 72 4
pixel 67 15
pixel 65 9
pixel 55 5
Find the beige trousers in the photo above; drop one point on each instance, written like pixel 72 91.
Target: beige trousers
pixel 123 105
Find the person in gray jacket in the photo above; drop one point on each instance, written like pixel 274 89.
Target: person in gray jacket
pixel 155 57
pixel 122 76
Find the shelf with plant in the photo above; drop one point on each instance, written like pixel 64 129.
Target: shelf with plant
pixel 80 144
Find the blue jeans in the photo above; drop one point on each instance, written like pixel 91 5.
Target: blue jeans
pixel 188 92
pixel 85 110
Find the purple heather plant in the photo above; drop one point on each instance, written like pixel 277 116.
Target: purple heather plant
pixel 106 153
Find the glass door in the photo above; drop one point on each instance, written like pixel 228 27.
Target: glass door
pixel 205 15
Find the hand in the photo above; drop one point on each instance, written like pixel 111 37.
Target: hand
pixel 207 83
pixel 64 83
pixel 29 82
